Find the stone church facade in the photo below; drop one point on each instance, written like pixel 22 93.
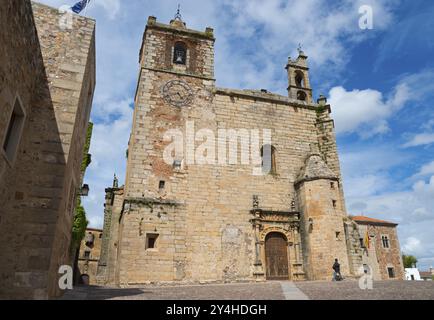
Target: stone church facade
pixel 184 222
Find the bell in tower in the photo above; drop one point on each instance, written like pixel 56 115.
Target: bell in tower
pixel 298 78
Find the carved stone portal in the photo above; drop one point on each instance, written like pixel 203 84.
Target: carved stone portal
pixel 287 223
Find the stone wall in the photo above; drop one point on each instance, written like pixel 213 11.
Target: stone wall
pixel 107 266
pixel 387 257
pixel 322 229
pixel 88 262
pixel 53 72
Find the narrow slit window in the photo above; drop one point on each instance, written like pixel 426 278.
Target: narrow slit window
pixel 268 155
pixel 13 133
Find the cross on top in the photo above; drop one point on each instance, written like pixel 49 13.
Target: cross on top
pixel 178 15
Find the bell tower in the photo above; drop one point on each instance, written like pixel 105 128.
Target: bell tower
pixel 298 78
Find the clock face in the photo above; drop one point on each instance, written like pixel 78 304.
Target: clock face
pixel 177 93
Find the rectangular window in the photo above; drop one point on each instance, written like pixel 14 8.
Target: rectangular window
pixel 13 133
pixel 334 202
pixel 385 242
pixel 151 240
pixel 391 272
pixel 362 243
pixel 161 185
pixel 87 254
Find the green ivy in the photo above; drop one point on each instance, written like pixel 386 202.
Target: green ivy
pixel 80 224
pixel 87 159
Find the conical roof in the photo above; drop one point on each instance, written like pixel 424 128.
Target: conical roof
pixel 315 168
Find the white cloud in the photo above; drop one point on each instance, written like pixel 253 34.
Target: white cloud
pixel 367 112
pixel 412 208
pixel 412 245
pixel 112 7
pixel 364 111
pixel 275 28
pixel 426 169
pixel 108 149
pixel 420 139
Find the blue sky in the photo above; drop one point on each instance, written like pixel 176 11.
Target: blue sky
pixel 380 84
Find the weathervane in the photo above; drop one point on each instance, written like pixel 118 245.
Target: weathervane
pixel 299 49
pixel 178 15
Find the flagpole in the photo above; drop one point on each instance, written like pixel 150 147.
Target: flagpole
pixel 85 8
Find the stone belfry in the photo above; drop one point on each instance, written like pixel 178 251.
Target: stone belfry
pixel 176 81
pixel 298 78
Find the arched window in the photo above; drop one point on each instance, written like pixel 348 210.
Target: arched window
pixel 180 53
pixel 268 155
pixel 301 95
pixel 299 79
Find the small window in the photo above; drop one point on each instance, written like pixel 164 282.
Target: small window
pixel 299 79
pixel 89 239
pixel 87 254
pixel 151 240
pixel 301 95
pixel 391 272
pixel 332 185
pixel 334 203
pixel 162 185
pixel 13 133
pixel 268 155
pixel 180 53
pixel 338 235
pixel 177 164
pixel 362 243
pixel 385 241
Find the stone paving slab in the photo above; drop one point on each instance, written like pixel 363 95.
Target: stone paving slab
pixel 245 291
pixel 291 292
pixel 382 290
pixel 272 290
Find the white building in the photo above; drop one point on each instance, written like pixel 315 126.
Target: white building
pixel 412 274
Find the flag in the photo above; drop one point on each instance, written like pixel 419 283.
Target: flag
pixel 367 240
pixel 79 6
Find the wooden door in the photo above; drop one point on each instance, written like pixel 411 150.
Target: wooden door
pixel 276 256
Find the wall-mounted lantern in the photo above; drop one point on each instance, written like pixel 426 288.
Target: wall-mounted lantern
pixel 84 191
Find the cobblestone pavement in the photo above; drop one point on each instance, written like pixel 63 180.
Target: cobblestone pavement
pixel 273 290
pixel 244 291
pixel 382 290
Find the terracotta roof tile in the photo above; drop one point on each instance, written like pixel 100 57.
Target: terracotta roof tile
pixel 372 220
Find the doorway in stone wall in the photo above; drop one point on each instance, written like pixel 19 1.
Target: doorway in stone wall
pixel 276 256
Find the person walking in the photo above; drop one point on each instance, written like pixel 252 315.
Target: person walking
pixel 337 271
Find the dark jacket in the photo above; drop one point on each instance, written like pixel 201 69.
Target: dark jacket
pixel 337 267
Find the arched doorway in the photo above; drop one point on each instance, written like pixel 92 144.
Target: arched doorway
pixel 276 256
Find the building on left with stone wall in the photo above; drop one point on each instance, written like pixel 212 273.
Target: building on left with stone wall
pixel 47 80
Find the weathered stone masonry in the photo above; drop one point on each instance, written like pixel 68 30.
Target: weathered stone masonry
pixel 191 223
pixel 51 72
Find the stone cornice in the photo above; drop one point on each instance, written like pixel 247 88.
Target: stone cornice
pixel 266 97
pixel 150 201
pixel 180 31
